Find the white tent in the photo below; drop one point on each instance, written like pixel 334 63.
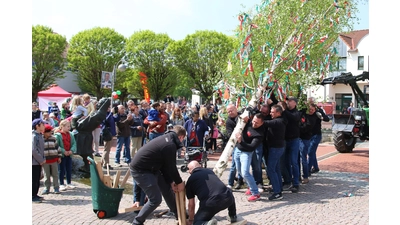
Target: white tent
pixel 54 94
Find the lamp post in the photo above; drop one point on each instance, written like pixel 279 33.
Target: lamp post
pixel 122 68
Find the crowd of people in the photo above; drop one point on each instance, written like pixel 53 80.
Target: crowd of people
pixel 277 135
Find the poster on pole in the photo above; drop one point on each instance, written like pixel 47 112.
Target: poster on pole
pixel 106 79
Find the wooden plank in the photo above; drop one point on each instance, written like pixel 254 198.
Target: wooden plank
pixel 130 209
pixel 178 207
pixel 182 207
pixel 116 179
pixel 107 180
pixel 125 179
pixel 100 170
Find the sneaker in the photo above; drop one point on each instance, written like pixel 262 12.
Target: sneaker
pixel 294 189
pixel 57 191
pixel 260 188
pixel 40 197
pixel 275 197
pixel 314 170
pixel 117 165
pixel 238 185
pixel 229 186
pixel 232 219
pixel 212 222
pixel 305 181
pixel 45 191
pixel 36 200
pixel 248 192
pixel 63 188
pixel 97 154
pixel 70 186
pixel 109 167
pixel 286 187
pixel 254 198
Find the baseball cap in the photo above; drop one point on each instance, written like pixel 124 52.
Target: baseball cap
pixel 48 128
pixel 292 98
pixel 36 122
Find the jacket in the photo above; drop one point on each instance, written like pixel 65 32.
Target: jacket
pixel 124 126
pixel 318 125
pixel 292 127
pixel 137 121
pixel 201 128
pixel 159 155
pixel 37 148
pixel 307 127
pixel 276 130
pixel 60 142
pixel 251 138
pixel 109 123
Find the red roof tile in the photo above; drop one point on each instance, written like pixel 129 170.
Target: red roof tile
pixel 351 39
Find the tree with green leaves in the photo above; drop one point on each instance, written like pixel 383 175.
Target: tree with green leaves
pixel 147 53
pixel 93 51
pixel 286 46
pixel 48 60
pixel 203 56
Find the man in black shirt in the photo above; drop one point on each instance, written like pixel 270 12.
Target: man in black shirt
pixel 213 195
pixel 155 172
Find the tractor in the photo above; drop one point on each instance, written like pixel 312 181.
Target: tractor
pixel 348 128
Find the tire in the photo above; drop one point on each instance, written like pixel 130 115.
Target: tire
pixel 184 168
pixel 344 142
pixel 101 214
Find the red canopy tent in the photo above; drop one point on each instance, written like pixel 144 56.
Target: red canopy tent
pixel 53 94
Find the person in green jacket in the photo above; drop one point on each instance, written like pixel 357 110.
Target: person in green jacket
pixel 67 144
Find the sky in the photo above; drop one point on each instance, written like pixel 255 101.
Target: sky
pixel 177 18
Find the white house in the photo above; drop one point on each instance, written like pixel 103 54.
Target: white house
pixel 353 50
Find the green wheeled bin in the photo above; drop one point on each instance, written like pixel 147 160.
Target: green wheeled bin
pixel 105 200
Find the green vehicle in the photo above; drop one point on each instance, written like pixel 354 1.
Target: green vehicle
pixel 348 128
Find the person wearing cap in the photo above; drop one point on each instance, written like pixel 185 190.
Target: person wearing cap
pixel 52 152
pixel 38 158
pixel 292 140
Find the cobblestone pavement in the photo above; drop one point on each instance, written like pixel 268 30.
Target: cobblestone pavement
pixel 324 200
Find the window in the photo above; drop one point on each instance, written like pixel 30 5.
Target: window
pixel 360 62
pixel 341 64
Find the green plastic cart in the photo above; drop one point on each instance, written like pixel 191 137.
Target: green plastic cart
pixel 105 200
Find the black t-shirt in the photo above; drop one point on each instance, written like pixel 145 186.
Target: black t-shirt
pixel 208 188
pixel 251 138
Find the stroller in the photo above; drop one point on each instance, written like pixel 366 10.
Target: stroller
pixel 195 153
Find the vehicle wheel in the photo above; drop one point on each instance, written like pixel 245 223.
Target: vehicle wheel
pixel 101 214
pixel 183 168
pixel 344 142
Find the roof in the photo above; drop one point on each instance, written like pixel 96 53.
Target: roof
pixel 54 91
pixel 352 38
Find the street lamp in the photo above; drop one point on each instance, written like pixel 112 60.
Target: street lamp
pixel 122 68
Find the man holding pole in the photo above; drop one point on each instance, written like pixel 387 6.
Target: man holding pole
pixel 155 172
pixel 212 193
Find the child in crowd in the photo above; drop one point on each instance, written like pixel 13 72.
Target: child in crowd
pixel 153 116
pixel 66 141
pixel 78 111
pixel 65 112
pixel 38 158
pixel 53 157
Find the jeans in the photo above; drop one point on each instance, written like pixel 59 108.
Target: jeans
pixel 155 187
pixel 205 214
pixel 138 194
pixel 292 152
pixel 287 179
pixel 65 168
pixel 232 171
pixel 256 162
pixel 36 171
pixel 51 170
pixel 312 152
pixel 153 135
pixel 304 153
pixel 274 170
pixel 126 141
pixel 243 161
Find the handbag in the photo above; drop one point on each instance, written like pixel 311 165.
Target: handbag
pixel 106 134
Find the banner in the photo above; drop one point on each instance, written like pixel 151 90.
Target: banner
pixel 106 79
pixel 143 81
